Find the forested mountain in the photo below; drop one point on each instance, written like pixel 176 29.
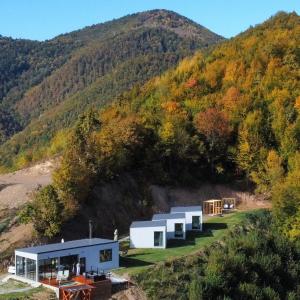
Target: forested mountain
pixel 229 114
pixel 107 58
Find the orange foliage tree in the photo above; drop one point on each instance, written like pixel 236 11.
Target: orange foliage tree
pixel 215 127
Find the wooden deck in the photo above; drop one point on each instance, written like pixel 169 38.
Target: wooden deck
pixel 81 287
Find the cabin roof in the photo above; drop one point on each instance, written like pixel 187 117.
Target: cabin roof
pixel 66 245
pixel 141 224
pixel 169 216
pixel 183 209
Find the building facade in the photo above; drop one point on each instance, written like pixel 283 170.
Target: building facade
pixel 176 227
pixel 193 216
pixel 148 234
pixel 42 262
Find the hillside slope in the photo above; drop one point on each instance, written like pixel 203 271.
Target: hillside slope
pixel 230 115
pixel 107 58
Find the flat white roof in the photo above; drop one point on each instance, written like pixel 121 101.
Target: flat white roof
pixel 168 216
pixel 178 209
pixel 66 245
pixel 141 224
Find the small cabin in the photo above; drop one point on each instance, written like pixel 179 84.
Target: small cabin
pixel 193 216
pixel 175 223
pixel 213 207
pixel 148 234
pixel 42 263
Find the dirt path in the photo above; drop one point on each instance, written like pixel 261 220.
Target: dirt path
pixel 16 187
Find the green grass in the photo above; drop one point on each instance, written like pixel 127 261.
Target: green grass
pixel 24 295
pixel 13 284
pixel 214 228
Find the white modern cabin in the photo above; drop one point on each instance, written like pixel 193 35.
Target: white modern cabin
pixel 148 234
pixel 176 228
pixel 43 262
pixel 193 216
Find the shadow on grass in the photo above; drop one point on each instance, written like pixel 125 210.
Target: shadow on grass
pixel 126 261
pixel 193 235
pixel 214 226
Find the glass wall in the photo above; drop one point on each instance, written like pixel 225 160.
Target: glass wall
pixel 20 266
pixel 69 263
pixel 31 269
pixel 48 268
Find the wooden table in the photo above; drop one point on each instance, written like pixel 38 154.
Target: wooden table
pixel 82 292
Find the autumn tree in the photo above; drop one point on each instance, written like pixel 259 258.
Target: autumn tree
pixel 251 143
pixel 215 127
pixel 73 179
pixel 269 173
pixel 286 200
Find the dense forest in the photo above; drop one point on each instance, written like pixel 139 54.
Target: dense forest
pixel 46 85
pixel 225 115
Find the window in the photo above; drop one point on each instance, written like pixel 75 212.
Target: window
pixel 20 266
pixel 69 262
pixel 105 255
pixel 48 268
pixel 158 238
pixel 195 222
pixel 31 269
pixel 178 230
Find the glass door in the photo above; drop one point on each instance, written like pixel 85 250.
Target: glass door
pixel 82 264
pixel 195 222
pixel 158 238
pixel 179 230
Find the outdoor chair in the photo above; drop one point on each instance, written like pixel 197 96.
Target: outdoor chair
pixel 62 275
pixel 66 274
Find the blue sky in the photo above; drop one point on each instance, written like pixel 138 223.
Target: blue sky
pixel 44 19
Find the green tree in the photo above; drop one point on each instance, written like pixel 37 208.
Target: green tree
pixel 45 212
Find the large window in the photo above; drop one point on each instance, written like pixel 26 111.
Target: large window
pixel 48 268
pixel 196 222
pixel 179 230
pixel 31 269
pixel 105 255
pixel 20 266
pixel 158 238
pixel 69 263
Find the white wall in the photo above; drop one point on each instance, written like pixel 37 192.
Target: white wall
pixel 25 254
pixel 171 228
pixel 92 255
pixel 188 217
pixel 143 237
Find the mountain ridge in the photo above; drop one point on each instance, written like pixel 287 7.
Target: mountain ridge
pixel 117 55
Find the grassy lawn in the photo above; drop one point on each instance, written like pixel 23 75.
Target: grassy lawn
pixel 213 229
pixel 13 285
pixel 33 294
